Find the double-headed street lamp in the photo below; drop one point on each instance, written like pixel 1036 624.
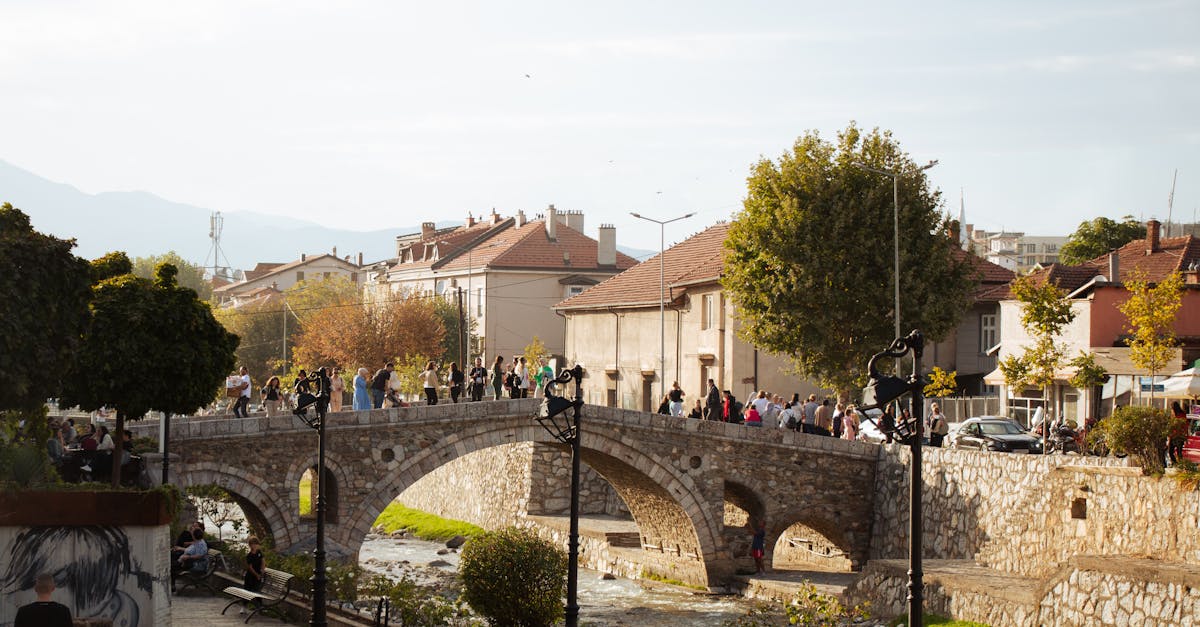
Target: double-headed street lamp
pixel 662 324
pixel 568 432
pixel 896 222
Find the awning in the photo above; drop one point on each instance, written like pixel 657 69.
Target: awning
pixel 996 377
pixel 1121 383
pixel 1184 384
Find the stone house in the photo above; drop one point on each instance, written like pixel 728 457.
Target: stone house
pixel 511 272
pixel 613 330
pixel 278 277
pixel 1096 288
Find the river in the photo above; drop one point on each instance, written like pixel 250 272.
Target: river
pixel 618 602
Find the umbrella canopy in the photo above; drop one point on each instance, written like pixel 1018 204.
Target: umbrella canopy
pixel 1184 384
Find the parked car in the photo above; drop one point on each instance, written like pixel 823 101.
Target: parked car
pixel 994 433
pixel 1191 446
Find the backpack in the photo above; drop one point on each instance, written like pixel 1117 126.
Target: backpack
pixel 791 419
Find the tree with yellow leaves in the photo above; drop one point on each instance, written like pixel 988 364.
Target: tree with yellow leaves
pixel 1150 312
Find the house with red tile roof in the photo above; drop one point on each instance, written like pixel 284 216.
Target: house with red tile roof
pixel 278 277
pixel 613 329
pixel 1096 289
pixel 511 272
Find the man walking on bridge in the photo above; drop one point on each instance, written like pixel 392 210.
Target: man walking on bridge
pixel 379 384
pixel 712 403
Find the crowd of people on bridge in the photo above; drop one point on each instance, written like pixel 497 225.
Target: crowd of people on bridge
pixel 825 417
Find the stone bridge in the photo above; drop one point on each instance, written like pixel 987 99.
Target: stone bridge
pixel 675 475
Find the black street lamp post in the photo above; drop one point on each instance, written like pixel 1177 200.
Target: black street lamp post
pixel 879 392
pixel 567 433
pixel 166 460
pixel 321 378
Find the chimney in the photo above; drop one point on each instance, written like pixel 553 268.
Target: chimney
pixel 335 251
pixel 551 223
pixel 1114 267
pixel 360 260
pixel 470 220
pixel 606 245
pixel 520 218
pixel 1152 229
pixel 573 219
pixel 427 230
pixel 303 257
pixel 495 217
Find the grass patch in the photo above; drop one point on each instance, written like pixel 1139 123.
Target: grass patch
pixel 653 576
pixel 306 495
pixel 423 525
pixel 941 621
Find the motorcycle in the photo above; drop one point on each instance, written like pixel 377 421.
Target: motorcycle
pixel 1063 439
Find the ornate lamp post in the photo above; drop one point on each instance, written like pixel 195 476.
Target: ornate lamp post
pixel 567 433
pixel 879 392
pixel 317 617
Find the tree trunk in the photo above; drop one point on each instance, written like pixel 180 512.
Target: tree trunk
pixel 118 437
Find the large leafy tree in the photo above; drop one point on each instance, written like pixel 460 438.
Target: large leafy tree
pixel 354 334
pixel 44 291
pixel 190 275
pixel 150 345
pixel 810 266
pixel 447 312
pixel 1098 236
pixel 266 337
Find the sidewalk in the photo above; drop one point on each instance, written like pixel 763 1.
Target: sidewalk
pixel 199 610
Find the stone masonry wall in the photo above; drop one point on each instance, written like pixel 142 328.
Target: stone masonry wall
pixel 1003 504
pixel 498 487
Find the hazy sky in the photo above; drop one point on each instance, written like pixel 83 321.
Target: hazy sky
pixel 369 115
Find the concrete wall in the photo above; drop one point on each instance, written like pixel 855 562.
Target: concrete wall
pixel 101 572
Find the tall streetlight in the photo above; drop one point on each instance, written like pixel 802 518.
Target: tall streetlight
pixel 896 223
pixel 662 318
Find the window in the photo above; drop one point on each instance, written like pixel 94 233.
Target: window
pixel 478 301
pixel 325 275
pixel 439 287
pixel 708 312
pixel 575 290
pixel 299 276
pixel 987 332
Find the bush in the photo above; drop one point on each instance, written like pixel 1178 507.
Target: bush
pixel 513 577
pixel 1137 431
pixel 411 604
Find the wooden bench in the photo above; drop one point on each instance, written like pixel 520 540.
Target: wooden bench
pixel 276 587
pixel 201 578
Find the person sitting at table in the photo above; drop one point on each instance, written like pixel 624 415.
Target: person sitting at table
pixel 184 540
pixel 54 444
pixel 89 442
pixel 104 452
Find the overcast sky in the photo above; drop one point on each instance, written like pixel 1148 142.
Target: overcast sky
pixel 370 115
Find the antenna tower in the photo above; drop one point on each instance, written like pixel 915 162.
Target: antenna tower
pixel 1171 201
pixel 215 224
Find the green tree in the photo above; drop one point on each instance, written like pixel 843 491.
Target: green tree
pixel 809 261
pixel 1150 312
pixel 513 577
pixel 1045 312
pixel 1098 236
pixel 447 312
pixel 1089 375
pixel 190 274
pixel 267 340
pixel 149 346
pixel 44 291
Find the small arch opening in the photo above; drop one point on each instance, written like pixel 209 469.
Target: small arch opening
pixel 804 547
pixel 308 487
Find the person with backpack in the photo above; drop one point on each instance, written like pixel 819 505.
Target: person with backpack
pixel 379 384
pixel 512 381
pixel 478 380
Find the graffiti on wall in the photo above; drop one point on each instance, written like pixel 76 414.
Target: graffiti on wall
pixel 93 568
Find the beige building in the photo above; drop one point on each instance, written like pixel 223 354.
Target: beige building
pixel 613 330
pixel 511 272
pixel 266 278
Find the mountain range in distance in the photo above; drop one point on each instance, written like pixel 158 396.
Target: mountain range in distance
pixel 142 224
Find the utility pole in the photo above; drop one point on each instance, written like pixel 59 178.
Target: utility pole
pixel 462 332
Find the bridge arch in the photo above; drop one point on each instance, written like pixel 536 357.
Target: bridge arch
pixel 338 474
pixel 250 492
pixel 665 502
pixel 800 539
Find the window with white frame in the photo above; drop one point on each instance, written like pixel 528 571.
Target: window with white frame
pixel 708 312
pixel 987 332
pixel 575 290
pixel 478 301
